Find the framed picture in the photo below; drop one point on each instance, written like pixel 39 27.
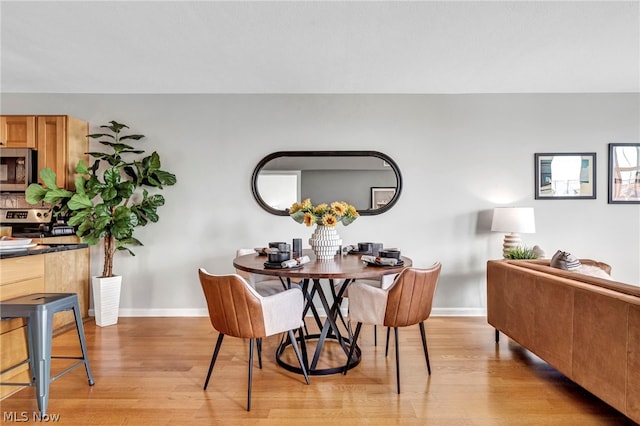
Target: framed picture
pixel 380 196
pixel 563 176
pixel 624 173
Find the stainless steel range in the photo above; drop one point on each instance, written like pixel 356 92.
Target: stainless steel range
pixel 33 223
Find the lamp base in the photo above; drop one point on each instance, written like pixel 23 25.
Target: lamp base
pixel 511 241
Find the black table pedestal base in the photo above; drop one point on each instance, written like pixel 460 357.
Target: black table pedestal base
pixel 315 371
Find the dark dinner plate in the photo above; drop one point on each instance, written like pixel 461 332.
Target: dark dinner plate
pixel 278 265
pixel 400 263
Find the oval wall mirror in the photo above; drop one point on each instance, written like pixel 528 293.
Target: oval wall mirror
pixel 369 180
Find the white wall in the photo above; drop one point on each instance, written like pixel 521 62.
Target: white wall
pixel 460 155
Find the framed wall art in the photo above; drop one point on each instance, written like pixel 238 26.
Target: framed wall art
pixel 563 176
pixel 624 173
pixel 380 196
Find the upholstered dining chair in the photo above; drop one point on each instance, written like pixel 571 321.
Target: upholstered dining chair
pixel 263 284
pixel 384 283
pixel 407 302
pixel 237 309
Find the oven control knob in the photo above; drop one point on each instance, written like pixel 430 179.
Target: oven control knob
pixel 38 214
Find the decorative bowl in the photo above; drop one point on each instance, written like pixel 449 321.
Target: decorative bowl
pixel 280 256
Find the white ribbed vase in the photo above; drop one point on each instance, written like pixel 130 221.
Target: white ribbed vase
pixel 325 242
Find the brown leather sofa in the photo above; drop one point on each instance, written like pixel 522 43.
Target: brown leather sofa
pixel 587 328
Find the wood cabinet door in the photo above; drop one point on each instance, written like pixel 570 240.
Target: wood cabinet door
pixel 62 142
pixel 77 148
pixel 52 147
pixel 18 131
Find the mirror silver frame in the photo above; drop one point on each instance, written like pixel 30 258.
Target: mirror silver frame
pixel 362 212
pixel 586 181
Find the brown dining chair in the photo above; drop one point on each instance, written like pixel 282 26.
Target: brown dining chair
pixel 237 309
pixel 407 302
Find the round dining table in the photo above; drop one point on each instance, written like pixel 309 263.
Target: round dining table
pixel 340 271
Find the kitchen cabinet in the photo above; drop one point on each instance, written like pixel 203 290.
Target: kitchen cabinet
pixel 61 142
pixel 57 272
pixel 20 276
pixel 68 272
pixel 17 131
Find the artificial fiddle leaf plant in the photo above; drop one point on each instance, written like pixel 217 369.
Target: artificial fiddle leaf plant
pixel 110 199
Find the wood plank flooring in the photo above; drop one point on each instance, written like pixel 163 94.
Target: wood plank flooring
pixel 151 370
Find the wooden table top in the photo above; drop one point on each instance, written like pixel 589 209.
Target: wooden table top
pixel 345 266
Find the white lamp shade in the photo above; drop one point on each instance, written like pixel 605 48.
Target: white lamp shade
pixel 513 219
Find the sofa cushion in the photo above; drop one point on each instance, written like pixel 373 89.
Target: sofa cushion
pixel 564 260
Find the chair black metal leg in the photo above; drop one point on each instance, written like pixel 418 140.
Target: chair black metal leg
pixel 497 336
pixel 353 347
pixel 395 331
pixel 375 335
pixel 259 346
pixel 386 348
pixel 424 346
pixel 213 359
pixel 250 374
pixel 303 347
pixel 296 349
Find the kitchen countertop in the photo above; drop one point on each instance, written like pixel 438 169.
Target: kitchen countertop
pixel 43 249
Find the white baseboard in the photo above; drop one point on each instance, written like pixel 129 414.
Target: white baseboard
pixel 161 312
pixel 459 312
pixel 202 312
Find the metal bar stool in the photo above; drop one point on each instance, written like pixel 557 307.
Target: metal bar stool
pixel 38 309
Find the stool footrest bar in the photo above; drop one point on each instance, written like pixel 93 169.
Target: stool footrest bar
pixel 77 364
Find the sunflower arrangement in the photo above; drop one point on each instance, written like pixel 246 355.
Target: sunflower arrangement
pixel 323 214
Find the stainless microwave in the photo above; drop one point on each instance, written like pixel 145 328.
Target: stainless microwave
pixel 18 168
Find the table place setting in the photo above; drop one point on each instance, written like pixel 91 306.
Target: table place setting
pixel 293 263
pixel 363 248
pixel 389 257
pixel 280 256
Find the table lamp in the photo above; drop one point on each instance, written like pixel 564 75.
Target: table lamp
pixel 513 221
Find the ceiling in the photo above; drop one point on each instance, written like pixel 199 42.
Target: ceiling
pixel 320 47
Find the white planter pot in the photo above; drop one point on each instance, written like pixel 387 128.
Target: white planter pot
pixel 106 299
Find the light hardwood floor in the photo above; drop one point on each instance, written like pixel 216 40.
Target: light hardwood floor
pixel 151 371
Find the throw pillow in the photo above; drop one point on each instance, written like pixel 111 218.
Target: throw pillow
pixel 564 260
pixel 592 271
